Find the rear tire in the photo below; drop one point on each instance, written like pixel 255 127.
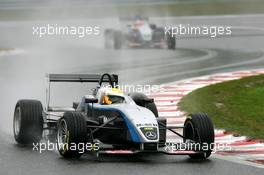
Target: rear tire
pixel 72 131
pixel 200 129
pixel 28 121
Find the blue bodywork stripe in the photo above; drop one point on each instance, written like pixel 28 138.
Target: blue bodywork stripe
pixel 131 128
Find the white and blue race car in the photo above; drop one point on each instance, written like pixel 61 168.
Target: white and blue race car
pixel 138 33
pixel 118 123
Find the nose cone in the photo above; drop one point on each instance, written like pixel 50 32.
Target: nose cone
pixel 143 121
pixel 137 113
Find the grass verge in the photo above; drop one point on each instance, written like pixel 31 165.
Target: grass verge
pixel 236 106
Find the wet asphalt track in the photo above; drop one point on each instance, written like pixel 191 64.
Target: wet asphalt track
pixel 22 76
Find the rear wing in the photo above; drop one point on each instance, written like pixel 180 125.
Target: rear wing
pixel 81 78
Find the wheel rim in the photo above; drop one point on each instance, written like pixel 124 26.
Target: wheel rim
pixel 62 135
pixel 17 121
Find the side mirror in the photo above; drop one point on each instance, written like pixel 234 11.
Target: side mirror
pixel 91 100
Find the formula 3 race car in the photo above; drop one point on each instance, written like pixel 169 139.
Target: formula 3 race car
pixel 138 33
pixel 118 123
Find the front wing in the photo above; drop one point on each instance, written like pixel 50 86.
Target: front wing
pixel 125 152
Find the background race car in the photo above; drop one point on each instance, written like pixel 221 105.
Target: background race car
pixel 138 32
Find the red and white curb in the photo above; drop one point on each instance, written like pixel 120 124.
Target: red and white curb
pixel 169 95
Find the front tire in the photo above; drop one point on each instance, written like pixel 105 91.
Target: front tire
pixel 199 128
pixel 71 134
pixel 28 121
pixel 171 42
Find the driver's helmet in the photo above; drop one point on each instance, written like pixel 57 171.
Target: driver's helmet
pixel 109 96
pixel 138 23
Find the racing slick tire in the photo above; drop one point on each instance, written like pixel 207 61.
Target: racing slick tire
pixel 171 42
pixel 142 100
pixel 117 40
pixel 199 128
pixel 71 133
pixel 28 122
pixel 113 39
